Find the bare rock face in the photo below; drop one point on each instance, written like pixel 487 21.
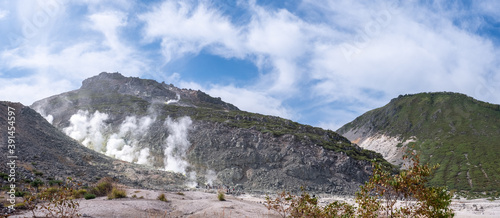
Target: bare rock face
pixel 207 140
pixel 262 162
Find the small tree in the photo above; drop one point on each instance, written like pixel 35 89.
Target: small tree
pixel 381 193
pixel 53 201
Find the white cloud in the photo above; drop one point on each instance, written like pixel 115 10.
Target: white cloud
pixel 251 100
pixel 3 14
pixel 184 28
pixel 395 48
pixel 70 61
pixel 32 87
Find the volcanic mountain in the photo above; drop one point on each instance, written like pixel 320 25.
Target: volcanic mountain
pixel 456 131
pixel 210 141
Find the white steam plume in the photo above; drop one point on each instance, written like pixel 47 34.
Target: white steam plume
pixel 210 176
pixel 177 144
pixel 88 129
pixel 47 117
pixel 124 145
pixel 177 99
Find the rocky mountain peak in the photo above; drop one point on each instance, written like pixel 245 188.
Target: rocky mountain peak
pixel 152 91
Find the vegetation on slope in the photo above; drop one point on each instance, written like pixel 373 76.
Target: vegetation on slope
pixel 456 131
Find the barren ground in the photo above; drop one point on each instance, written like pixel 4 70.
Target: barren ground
pixel 204 204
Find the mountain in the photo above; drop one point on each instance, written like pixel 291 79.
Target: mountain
pixel 208 140
pixel 43 152
pixel 456 131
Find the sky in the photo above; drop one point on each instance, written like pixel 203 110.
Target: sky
pixel 317 62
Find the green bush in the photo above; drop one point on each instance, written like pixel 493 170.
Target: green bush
pixel 37 183
pixel 20 206
pixel 162 197
pixel 79 193
pixel 89 196
pixel 20 193
pixel 103 187
pixel 221 196
pixel 55 182
pixel 117 193
pixel 5 176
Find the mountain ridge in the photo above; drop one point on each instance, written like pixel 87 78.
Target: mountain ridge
pixel 458 132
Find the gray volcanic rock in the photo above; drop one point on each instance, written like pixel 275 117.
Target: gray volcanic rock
pixel 262 162
pixel 40 147
pixel 208 140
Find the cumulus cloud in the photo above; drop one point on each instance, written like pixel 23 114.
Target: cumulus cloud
pixel 96 45
pixel 186 28
pixel 354 52
pixel 251 100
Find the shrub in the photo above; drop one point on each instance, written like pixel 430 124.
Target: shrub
pixel 54 202
pixel 20 206
pixel 79 193
pixel 37 183
pixel 117 193
pixel 89 196
pixel 162 197
pixel 5 176
pixel 55 182
pixel 20 193
pixel 103 187
pixel 51 191
pixel 180 193
pixel 221 196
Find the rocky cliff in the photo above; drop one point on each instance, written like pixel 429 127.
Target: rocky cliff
pixel 204 138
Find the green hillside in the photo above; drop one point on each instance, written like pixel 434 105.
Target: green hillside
pixel 458 132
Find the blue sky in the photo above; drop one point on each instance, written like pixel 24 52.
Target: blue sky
pixel 321 63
